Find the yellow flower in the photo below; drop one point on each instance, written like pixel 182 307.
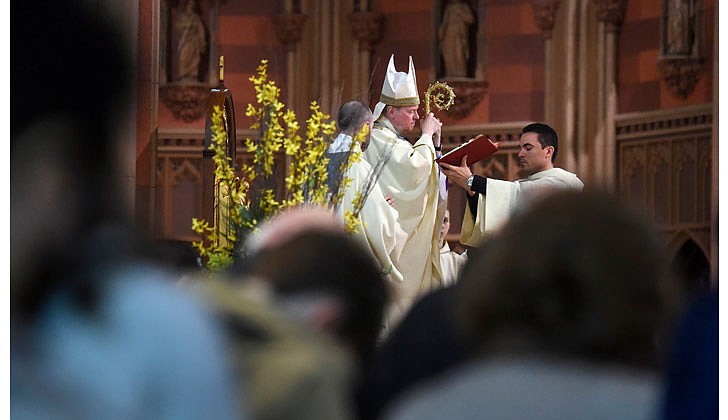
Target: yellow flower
pixel 257 196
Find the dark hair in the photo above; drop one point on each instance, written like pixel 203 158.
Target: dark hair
pixel 591 283
pixel 546 136
pixel 330 263
pixel 352 115
pixel 71 62
pixel 69 69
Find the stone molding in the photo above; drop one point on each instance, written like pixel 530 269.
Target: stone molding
pixel 544 12
pixel 664 122
pixel 611 12
pixel 289 29
pixel 468 94
pixel 187 102
pixel 681 74
pixel 367 27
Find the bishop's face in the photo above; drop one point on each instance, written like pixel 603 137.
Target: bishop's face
pixel 532 157
pixel 403 118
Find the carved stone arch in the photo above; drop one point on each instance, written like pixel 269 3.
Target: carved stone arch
pixel 494 168
pixel 690 262
pixel 185 170
pixel 682 236
pixel 658 155
pixel 685 153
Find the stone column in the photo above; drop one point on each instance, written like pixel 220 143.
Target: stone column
pixel 289 29
pixel 366 28
pixel 610 14
pixel 544 12
pixel 559 25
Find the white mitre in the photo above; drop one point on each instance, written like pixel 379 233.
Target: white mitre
pixel 399 89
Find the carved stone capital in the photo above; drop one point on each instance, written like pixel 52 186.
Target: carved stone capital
pixel 681 74
pixel 544 12
pixel 611 12
pixel 187 102
pixel 468 94
pixel 289 29
pixel 366 27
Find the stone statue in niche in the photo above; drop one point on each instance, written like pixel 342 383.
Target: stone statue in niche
pixel 454 37
pixel 679 29
pixel 191 38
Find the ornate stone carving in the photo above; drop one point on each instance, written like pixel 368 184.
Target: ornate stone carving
pixel 544 12
pixel 289 28
pixel 366 27
pixel 187 102
pixel 611 12
pixel 468 94
pixel 684 153
pixel 632 158
pixel 494 168
pixel 658 155
pixel 681 74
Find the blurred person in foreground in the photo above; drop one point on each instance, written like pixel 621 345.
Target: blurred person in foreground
pixel 304 311
pixel 97 332
pixel 325 261
pixel 691 388
pixel 429 342
pixel 572 309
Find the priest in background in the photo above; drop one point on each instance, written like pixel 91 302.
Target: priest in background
pixel 378 226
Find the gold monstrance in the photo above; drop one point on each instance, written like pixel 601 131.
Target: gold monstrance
pixel 441 95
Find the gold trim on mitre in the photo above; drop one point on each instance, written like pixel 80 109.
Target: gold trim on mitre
pixel 415 100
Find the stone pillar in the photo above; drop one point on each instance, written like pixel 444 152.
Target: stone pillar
pixel 366 28
pixel 559 25
pixel 289 30
pixel 544 12
pixel 610 14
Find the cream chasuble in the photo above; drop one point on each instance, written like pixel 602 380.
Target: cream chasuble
pixel 410 177
pixel 379 228
pixel 502 198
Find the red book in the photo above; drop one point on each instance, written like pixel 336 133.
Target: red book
pixel 477 149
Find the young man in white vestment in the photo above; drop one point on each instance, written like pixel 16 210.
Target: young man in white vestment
pixel 411 177
pixel 492 201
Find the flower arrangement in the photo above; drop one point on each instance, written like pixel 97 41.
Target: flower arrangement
pixel 218 241
pixel 244 202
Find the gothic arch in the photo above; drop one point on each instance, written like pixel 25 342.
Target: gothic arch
pixel 690 262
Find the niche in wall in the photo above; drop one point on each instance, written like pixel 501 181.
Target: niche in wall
pixel 187 56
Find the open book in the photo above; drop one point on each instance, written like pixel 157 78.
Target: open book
pixel 477 149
